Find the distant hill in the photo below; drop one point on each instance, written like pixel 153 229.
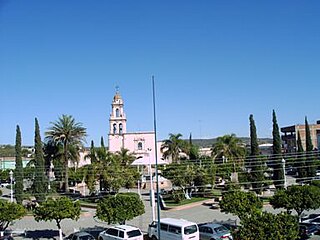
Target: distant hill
pixel 211 141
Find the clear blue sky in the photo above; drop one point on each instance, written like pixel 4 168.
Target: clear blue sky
pixel 214 62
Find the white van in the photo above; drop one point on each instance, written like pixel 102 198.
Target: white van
pixel 174 229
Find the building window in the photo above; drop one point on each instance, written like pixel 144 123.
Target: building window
pixel 120 128
pixel 117 112
pixel 139 145
pixel 114 128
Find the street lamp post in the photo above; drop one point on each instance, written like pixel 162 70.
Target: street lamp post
pixel 152 199
pixel 11 189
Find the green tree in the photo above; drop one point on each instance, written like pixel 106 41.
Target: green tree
pixel 9 212
pixel 181 175
pixel 124 157
pixel 92 154
pixel 231 150
pixel 278 174
pixel 300 159
pixel 120 208
pixel 70 133
pixel 39 183
pixel 255 161
pixel 192 150
pixel 173 146
pixel 242 204
pixel 298 198
pixel 57 210
pixel 261 226
pixel 310 159
pixel 19 168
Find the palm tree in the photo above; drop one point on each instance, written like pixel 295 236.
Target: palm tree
pixel 124 157
pixel 71 134
pixel 173 146
pixel 229 147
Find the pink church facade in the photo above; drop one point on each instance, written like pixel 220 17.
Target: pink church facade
pixel 141 144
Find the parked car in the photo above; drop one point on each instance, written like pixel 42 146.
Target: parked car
pixel 123 232
pixel 307 229
pixel 315 221
pixel 214 231
pixel 80 236
pixel 310 217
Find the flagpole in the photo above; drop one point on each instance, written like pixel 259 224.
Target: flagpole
pixel 156 155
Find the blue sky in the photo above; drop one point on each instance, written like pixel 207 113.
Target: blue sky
pixel 214 62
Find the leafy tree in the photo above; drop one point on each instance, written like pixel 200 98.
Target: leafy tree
pixel 255 161
pixel 57 210
pixel 124 157
pixel 70 133
pixel 120 208
pixel 278 174
pixel 229 153
pixel 298 198
pixel 229 147
pixel 10 212
pixel 92 154
pixel 311 162
pixel 181 175
pixel 242 204
pixel 192 150
pixel 173 146
pixel 300 160
pixel 261 226
pixel 19 168
pixel 52 155
pixel 39 183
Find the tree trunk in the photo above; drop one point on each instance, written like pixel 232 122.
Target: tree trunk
pixel 66 176
pixel 60 234
pixel 60 230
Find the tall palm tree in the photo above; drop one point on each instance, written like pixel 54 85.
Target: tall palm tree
pixel 229 147
pixel 173 146
pixel 71 134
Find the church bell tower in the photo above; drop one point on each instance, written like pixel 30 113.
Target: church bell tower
pixel 117 123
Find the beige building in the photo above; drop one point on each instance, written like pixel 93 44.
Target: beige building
pixel 290 136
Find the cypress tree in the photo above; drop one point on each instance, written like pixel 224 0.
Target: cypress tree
pixel 93 156
pixel 300 161
pixel 256 174
pixel 253 138
pixel 278 174
pixel 102 143
pixel 310 159
pixel 40 183
pixel 19 168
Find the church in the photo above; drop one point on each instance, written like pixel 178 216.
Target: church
pixel 141 144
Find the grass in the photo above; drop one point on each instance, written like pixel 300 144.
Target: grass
pixel 172 203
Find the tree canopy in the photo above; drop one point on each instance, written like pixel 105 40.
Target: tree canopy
pixel 242 204
pixel 261 226
pixel 173 146
pixel 71 135
pixel 57 210
pixel 298 198
pixel 10 212
pixel 120 208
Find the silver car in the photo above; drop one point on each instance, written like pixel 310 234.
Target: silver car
pixel 214 231
pixel 80 236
